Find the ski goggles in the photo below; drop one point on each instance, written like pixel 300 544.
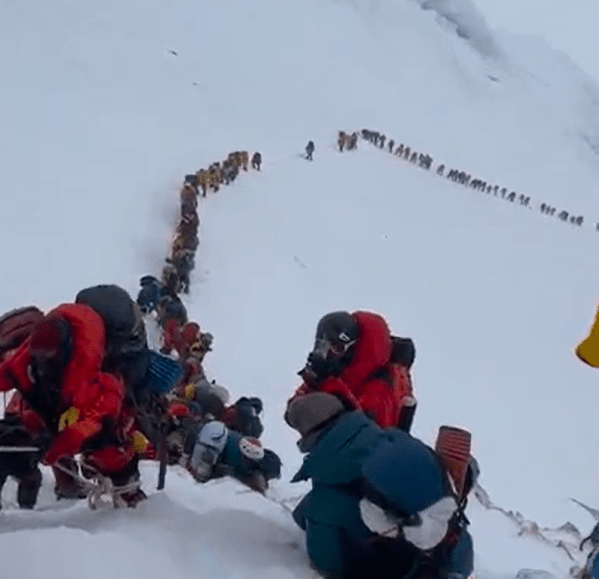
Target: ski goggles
pixel 338 347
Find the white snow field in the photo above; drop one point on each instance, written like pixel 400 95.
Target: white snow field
pixel 104 106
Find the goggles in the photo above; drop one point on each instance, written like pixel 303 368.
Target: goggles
pixel 338 347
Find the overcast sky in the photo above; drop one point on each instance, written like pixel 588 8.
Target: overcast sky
pixel 569 25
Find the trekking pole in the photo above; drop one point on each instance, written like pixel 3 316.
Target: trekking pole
pixel 162 456
pixel 162 468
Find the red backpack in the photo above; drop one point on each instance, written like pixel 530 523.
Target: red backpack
pixel 16 326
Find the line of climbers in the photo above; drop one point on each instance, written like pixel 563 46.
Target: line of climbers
pixel 347 141
pixel 185 243
pixel 425 161
pixel 383 504
pixel 152 402
pixel 86 383
pixel 223 173
pixel 197 406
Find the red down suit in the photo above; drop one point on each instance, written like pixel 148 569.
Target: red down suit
pixel 370 382
pixel 94 395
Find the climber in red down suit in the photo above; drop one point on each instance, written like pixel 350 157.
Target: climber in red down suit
pixel 63 391
pixel 356 358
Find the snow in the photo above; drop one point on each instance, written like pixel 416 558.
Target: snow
pixel 105 106
pixel 568 26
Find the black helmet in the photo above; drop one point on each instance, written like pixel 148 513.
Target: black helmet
pixel 148 280
pixel 336 332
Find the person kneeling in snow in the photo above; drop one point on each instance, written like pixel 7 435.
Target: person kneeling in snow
pixel 207 400
pixel 211 450
pixel 223 439
pixel 382 505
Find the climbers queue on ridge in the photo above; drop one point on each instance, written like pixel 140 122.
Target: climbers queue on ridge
pixel 58 364
pixel 464 178
pixel 181 261
pixel 85 384
pixel 90 398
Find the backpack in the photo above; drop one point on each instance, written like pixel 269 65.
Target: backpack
pixel 16 325
pixel 125 330
pixel 460 471
pixel 403 351
pixel 148 375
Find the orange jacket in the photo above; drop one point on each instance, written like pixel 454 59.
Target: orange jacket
pixel 96 395
pixel 370 382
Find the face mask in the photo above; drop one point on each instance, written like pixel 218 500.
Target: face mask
pixel 334 355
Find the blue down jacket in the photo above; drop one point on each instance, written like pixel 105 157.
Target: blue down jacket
pixel 412 480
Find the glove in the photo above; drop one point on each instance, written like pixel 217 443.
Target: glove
pixel 319 366
pixel 270 465
pixel 201 472
pixel 140 442
pixel 68 418
pixel 316 370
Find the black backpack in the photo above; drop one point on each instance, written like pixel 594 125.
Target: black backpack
pixel 148 375
pixel 403 351
pixel 125 329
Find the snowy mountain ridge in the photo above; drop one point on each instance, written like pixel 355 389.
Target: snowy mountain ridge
pixel 106 107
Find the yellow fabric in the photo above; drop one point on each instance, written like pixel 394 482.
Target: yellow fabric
pixel 195 348
pixel 190 392
pixel 588 349
pixel 140 442
pixel 68 418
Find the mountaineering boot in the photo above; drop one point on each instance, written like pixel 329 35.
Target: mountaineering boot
pixel 28 489
pixel 129 477
pixel 134 497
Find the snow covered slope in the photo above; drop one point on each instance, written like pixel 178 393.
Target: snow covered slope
pixel 106 105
